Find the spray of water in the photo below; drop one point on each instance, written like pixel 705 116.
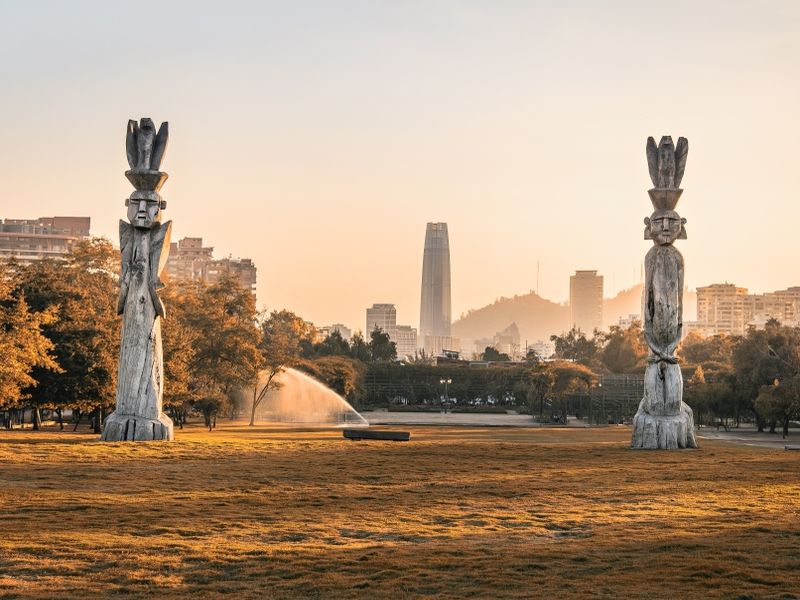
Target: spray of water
pixel 301 399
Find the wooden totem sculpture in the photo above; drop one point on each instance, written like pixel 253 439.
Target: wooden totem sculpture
pixel 144 242
pixel 663 419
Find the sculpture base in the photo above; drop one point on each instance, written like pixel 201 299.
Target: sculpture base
pixel 655 432
pixel 122 428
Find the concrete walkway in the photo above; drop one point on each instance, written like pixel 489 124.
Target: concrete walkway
pixel 750 437
pixel 458 419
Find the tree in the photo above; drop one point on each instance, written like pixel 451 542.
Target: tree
pixel 82 292
pixel 569 378
pixel 342 374
pixel 182 302
pixel 760 358
pixel 780 401
pixel 359 349
pixel 23 346
pixel 381 347
pixel 532 357
pixel 490 353
pixel 534 386
pixel 575 346
pixel 714 353
pixel 226 354
pixel 625 350
pixel 333 345
pixel 283 336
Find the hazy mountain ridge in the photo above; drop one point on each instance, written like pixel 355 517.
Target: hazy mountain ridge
pixel 536 317
pixel 539 318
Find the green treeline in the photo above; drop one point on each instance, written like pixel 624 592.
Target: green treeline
pixel 59 343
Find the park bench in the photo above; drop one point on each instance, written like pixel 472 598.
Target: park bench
pixel 356 435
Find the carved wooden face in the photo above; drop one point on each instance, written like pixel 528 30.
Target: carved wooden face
pixel 664 227
pixel 143 213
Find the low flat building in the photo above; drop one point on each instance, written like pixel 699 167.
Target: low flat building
pixel 29 240
pixel 343 330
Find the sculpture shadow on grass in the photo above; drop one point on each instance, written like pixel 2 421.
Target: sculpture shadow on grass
pixel 300 399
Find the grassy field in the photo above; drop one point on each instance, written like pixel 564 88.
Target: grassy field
pixel 455 513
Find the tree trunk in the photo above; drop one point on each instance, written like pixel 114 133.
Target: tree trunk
pixel 36 418
pixel 785 426
pixel 98 420
pixel 253 411
pixel 77 416
pixel 60 419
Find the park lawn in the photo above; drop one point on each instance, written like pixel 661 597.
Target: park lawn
pixel 455 513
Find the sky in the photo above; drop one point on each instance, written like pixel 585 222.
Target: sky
pixel 318 137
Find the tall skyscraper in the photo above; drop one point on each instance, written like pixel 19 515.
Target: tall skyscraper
pixel 586 301
pixel 434 313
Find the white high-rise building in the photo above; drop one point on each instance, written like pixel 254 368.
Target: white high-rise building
pixel 435 307
pixel 382 316
pixel 405 337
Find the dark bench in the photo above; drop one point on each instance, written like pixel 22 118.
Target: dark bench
pixel 357 435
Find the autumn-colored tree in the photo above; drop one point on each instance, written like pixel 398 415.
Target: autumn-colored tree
pixel 342 374
pixel 283 338
pixel 182 300
pixel 780 401
pixel 81 292
pixel 760 358
pixel 624 350
pixel 569 378
pixel 534 387
pixel 575 346
pixel 714 353
pixel 225 340
pixel 23 346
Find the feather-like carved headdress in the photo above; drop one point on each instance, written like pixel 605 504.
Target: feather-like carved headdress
pixel 667 162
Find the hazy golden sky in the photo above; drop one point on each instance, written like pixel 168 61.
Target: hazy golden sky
pixel 318 138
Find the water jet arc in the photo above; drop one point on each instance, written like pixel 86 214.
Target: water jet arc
pixel 300 399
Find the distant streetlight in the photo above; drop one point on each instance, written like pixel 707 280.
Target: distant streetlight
pixel 446 382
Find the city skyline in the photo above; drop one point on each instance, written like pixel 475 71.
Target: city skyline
pixel 333 133
pixel 18 237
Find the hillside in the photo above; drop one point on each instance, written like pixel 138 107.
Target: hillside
pixel 625 303
pixel 538 318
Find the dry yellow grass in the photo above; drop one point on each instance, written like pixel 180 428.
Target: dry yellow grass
pixel 455 513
